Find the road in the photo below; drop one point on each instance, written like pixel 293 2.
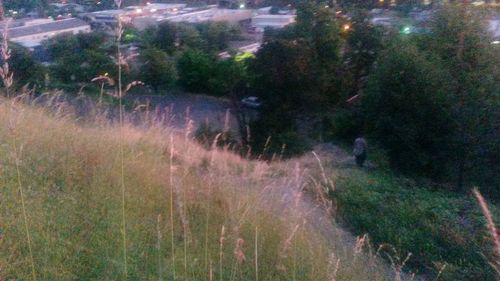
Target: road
pixel 179 108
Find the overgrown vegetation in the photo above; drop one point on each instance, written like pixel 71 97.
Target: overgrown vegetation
pixel 442 230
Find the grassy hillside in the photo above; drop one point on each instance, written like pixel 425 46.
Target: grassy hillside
pixel 96 201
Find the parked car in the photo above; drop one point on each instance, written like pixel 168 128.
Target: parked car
pixel 251 102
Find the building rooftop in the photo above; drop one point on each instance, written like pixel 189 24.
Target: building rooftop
pixel 45 27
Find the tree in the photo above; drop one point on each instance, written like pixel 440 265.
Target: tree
pixel 364 41
pixel 217 34
pixel 28 5
pixel 284 79
pixel 26 70
pixel 460 39
pixel 62 45
pixel 2 11
pixel 83 67
pixel 231 80
pixel 326 40
pixel 359 4
pixel 284 75
pixel 93 40
pixel 195 70
pixel 166 37
pixel 306 11
pixel 406 108
pixel 189 37
pixel 157 69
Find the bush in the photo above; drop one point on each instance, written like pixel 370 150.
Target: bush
pixel 276 134
pixel 344 124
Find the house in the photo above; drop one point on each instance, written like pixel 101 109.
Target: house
pixel 32 33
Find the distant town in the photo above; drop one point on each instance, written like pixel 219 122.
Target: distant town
pixel 30 30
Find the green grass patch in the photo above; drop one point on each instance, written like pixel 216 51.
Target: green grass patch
pixel 436 227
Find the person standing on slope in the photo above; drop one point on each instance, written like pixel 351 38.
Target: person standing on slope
pixel 359 150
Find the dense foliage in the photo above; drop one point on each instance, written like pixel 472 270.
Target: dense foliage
pixel 157 70
pixel 432 101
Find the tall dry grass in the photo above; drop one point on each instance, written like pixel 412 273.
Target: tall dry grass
pixel 493 231
pixel 191 214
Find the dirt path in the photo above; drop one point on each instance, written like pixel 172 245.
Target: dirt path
pixel 302 186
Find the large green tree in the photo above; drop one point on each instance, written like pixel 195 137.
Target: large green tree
pixel 460 39
pixel 82 67
pixel 364 41
pixel 217 34
pixel 195 71
pixel 406 108
pixel 26 70
pixel 166 37
pixel 157 70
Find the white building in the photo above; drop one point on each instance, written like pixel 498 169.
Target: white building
pixel 213 14
pixel 194 16
pixel 260 22
pixel 105 16
pixel 32 33
pixel 164 8
pixel 494 29
pixel 129 14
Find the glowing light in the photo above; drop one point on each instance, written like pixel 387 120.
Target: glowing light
pixel 138 10
pixel 496 42
pixel 407 30
pixel 242 6
pixel 346 27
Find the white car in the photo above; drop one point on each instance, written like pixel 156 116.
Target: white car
pixel 251 102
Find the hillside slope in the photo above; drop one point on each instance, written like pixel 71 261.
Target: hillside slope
pixel 97 201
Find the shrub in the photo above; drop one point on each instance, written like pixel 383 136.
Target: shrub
pixel 276 135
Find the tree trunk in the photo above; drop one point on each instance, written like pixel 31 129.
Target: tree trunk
pixel 1 10
pixel 241 119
